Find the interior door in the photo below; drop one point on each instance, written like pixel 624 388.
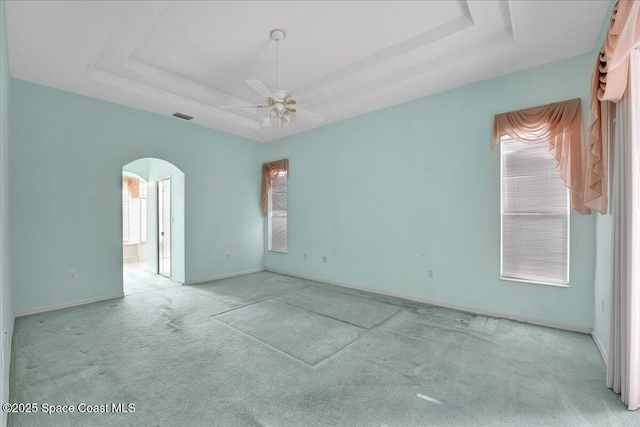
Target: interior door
pixel 164 227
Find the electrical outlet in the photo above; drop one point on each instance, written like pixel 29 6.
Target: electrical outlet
pixel 305 257
pixel 431 274
pixel 73 275
pixel 228 255
pixel 324 259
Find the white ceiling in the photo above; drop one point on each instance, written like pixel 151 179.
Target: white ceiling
pixel 191 57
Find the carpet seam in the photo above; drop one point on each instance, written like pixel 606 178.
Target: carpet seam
pixel 264 343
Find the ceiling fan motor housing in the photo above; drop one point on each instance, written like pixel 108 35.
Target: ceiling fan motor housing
pixel 278 34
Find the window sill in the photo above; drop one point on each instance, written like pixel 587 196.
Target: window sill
pixel 534 282
pixel 278 252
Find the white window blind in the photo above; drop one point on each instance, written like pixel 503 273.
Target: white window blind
pixel 534 215
pixel 278 214
pixel 125 212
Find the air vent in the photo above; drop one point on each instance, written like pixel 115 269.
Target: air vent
pixel 182 116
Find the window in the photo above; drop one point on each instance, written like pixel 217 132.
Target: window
pixel 134 215
pixel 534 215
pixel 277 214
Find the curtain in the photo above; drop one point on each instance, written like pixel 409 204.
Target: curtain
pixel 269 172
pixel 561 124
pixel 609 81
pixel 133 184
pixel 623 370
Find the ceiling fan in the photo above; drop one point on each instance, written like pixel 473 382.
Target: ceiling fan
pixel 279 105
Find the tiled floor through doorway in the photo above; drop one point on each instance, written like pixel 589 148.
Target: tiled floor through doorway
pixel 137 278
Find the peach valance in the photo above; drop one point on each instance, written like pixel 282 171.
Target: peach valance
pixel 560 124
pixel 133 184
pixel 609 82
pixel 269 172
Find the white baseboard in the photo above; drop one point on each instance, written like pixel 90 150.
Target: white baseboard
pixel 603 353
pixel 472 310
pixel 224 276
pixel 21 313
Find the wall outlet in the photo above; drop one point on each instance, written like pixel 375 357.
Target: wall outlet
pixel 324 259
pixel 305 256
pixel 602 304
pixel 228 255
pixel 73 275
pixel 431 274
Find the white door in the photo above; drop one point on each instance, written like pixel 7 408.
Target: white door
pixel 164 227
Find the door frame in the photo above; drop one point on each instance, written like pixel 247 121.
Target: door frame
pixel 158 225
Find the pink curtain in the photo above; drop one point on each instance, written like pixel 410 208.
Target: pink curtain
pixel 623 367
pixel 269 172
pixel 133 184
pixel 560 124
pixel 609 82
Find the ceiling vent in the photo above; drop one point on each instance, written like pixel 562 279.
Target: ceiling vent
pixel 182 116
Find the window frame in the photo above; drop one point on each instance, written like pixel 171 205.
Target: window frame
pixel 523 280
pixel 270 216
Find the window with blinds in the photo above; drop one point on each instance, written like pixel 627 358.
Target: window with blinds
pixel 134 215
pixel 534 215
pixel 125 212
pixel 278 214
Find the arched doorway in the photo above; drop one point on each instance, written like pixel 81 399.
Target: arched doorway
pixel 153 225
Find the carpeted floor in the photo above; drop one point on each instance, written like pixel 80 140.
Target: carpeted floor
pixel 272 350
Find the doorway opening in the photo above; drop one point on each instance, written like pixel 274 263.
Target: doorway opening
pixel 152 225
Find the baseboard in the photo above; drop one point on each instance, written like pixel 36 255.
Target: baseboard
pixel 7 372
pixel 21 313
pixel 224 276
pixel 603 353
pixel 472 310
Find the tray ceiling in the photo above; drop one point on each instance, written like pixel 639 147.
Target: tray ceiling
pixel 190 57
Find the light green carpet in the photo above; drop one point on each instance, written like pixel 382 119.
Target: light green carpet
pixel 272 350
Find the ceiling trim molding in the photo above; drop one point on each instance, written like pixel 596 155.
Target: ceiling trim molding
pixel 498 38
pixel 452 26
pixel 107 78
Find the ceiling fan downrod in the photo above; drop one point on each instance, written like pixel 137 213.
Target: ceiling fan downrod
pixel 277 35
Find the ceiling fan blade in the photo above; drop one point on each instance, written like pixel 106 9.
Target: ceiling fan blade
pixel 259 87
pixel 318 95
pixel 308 115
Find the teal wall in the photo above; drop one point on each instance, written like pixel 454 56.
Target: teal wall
pixel 602 286
pixel 391 194
pixel 65 196
pixel 6 307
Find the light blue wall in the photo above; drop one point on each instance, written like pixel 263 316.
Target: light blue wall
pixel 65 196
pixel 602 297
pixel 391 194
pixel 6 307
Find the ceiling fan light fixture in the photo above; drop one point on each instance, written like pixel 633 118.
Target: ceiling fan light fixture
pixel 278 104
pixel 283 121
